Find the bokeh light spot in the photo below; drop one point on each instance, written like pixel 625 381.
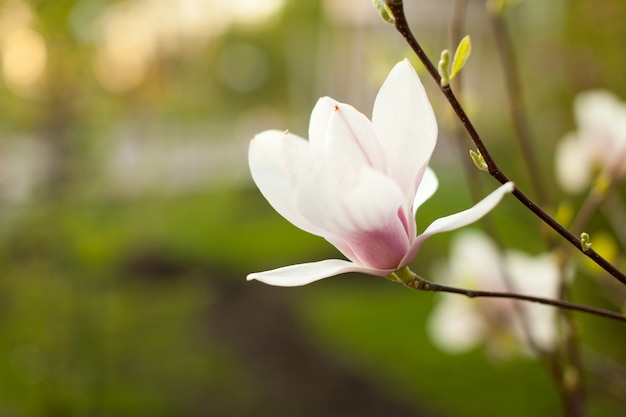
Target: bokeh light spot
pixel 24 58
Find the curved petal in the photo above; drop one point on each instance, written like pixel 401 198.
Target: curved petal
pixel 351 142
pixel 458 220
pixel 318 123
pixel 405 121
pixel 426 189
pixel 363 202
pixel 365 208
pixel 463 218
pixel 302 274
pixel 277 161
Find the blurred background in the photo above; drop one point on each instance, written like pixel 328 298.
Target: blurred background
pixel 128 219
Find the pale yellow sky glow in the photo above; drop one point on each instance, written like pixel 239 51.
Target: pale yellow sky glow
pixel 23 50
pixel 133 32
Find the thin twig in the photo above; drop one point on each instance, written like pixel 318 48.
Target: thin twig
pixel 401 25
pixel 414 281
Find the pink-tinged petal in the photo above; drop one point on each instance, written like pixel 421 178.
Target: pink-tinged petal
pixel 405 122
pixel 361 211
pixel 302 274
pixel 380 249
pixel 458 220
pixel 363 202
pixel 426 189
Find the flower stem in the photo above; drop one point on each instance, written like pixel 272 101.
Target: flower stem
pixel 401 25
pixel 414 281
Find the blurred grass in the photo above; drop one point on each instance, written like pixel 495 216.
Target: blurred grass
pixel 104 304
pixel 105 307
pixel 379 328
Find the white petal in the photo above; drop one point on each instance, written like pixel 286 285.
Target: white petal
pixel 596 110
pixel 279 163
pixel 302 274
pixel 539 276
pixel 369 205
pixel 318 123
pixel 475 262
pixel 454 325
pixel 352 143
pixel 274 157
pixel 463 218
pixel 574 164
pixel 405 122
pixel 534 275
pixel 365 202
pixel 426 189
pixel 458 220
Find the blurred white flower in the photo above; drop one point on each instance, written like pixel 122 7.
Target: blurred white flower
pixel 458 323
pixel 599 144
pixel 358 183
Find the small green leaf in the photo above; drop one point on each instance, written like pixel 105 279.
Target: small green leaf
pixel 479 161
pixel 461 55
pixel 384 11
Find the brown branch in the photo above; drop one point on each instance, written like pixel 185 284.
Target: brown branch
pixel 411 280
pixel 401 25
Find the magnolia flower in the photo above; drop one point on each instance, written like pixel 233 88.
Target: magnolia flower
pixel 358 183
pixel 598 145
pixel 459 323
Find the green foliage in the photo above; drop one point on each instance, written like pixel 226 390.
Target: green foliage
pixel 461 54
pixel 113 319
pixel 391 345
pixel 384 11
